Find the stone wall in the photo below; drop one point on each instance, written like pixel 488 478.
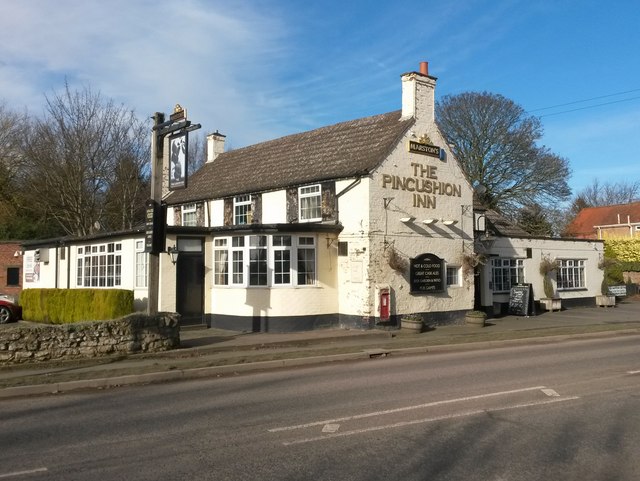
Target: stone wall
pixel 30 342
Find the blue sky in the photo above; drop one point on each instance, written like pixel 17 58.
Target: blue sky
pixel 260 69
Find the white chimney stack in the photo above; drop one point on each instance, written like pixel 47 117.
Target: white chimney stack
pixel 418 94
pixel 215 145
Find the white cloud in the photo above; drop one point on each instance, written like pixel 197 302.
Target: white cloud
pixel 146 54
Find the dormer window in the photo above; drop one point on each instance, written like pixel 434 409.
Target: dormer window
pixel 310 203
pixel 242 209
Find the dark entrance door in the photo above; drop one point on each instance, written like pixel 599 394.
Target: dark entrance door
pixel 190 281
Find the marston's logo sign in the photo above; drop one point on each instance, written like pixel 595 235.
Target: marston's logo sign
pixel 424 149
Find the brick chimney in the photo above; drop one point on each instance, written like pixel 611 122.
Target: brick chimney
pixel 418 94
pixel 215 145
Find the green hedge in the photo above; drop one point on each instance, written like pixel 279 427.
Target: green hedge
pixel 61 306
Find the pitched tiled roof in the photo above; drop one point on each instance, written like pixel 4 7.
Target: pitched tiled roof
pixel 338 151
pixel 500 226
pixel 587 218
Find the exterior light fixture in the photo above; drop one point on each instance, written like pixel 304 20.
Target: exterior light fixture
pixel 429 221
pixel 406 220
pixel 173 253
pixel 449 222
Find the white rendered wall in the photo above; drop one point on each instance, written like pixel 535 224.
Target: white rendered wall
pixel 590 251
pixel 217 212
pixel 274 207
pixel 414 238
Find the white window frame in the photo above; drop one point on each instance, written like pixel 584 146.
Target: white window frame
pixel 310 203
pixel 306 255
pixel 291 261
pixel 452 276
pixel 282 249
pixel 242 214
pixel 221 261
pixel 570 274
pixel 142 265
pixel 189 215
pixel 99 265
pixel 515 273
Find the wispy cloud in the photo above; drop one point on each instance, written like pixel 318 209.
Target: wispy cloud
pixel 145 54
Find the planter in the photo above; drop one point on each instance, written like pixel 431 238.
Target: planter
pixel 551 303
pixel 606 301
pixel 411 325
pixel 475 318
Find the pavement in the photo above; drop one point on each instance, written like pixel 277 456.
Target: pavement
pixel 206 353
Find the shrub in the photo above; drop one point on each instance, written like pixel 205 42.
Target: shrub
pixel 61 306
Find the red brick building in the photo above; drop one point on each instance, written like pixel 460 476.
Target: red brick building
pixel 10 268
pixel 606 222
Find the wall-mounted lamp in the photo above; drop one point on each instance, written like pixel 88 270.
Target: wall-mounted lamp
pixel 429 221
pixel 173 253
pixel 449 222
pixel 406 220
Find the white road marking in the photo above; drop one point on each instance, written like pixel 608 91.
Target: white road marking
pixel 330 428
pixel 427 420
pixel 407 408
pixel 23 473
pixel 633 372
pixel 550 392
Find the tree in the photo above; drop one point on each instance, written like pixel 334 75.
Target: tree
pixel 495 142
pixel 533 219
pixel 17 221
pixel 85 163
pixel 608 193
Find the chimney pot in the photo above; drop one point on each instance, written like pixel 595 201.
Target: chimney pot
pixel 424 68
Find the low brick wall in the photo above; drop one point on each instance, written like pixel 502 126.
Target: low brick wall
pixel 28 342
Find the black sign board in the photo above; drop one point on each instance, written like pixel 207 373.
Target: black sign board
pixel 154 228
pixel 521 300
pixel 424 149
pixel 426 274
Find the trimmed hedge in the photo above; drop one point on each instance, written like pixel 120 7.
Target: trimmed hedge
pixel 62 306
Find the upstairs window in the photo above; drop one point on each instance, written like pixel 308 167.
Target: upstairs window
pixel 310 202
pixel 242 210
pixel 189 215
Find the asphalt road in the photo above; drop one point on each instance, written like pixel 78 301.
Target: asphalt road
pixel 561 411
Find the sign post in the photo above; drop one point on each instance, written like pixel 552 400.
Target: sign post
pixel 155 222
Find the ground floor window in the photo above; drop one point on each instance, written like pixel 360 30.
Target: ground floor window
pixel 453 276
pixel 13 276
pixel 571 274
pixel 141 265
pixel 100 265
pixel 264 260
pixel 505 273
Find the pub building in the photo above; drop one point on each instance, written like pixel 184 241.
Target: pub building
pixel 351 225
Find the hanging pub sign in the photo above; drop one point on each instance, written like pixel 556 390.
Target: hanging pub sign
pixel 178 150
pixel 426 274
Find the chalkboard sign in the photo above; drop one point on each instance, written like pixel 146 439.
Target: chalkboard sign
pixel 521 300
pixel 618 291
pixel 426 274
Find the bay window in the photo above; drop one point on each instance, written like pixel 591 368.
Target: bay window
pixel 265 260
